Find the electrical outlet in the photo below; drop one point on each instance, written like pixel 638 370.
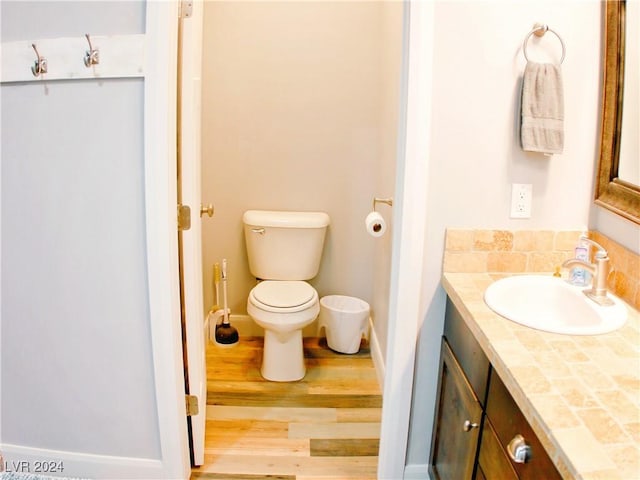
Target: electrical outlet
pixel 521 194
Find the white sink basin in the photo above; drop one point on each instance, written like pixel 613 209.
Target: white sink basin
pixel 550 304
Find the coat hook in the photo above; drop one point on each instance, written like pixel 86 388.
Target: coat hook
pixel 92 56
pixel 40 65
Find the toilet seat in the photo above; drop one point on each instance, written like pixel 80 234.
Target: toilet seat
pixel 283 296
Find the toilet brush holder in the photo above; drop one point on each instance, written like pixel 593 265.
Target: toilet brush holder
pixel 213 321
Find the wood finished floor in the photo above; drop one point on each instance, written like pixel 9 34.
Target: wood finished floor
pixel 323 427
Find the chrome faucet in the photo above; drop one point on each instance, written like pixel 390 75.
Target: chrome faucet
pixel 599 270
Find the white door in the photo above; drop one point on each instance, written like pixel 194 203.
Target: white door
pixel 89 280
pixel 189 63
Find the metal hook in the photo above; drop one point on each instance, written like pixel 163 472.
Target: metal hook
pixel 40 65
pixel 92 56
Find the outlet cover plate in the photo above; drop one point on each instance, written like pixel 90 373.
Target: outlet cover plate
pixel 521 194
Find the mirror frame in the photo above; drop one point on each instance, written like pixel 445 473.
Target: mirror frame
pixel 613 193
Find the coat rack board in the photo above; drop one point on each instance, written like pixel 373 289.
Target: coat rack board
pixel 81 57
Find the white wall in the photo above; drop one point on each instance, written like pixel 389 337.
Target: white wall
pixel 74 261
pixel 29 20
pixel 299 113
pixel 74 272
pixel 475 154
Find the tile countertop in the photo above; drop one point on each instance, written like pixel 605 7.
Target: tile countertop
pixel 581 394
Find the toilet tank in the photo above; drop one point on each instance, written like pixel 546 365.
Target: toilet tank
pixel 284 245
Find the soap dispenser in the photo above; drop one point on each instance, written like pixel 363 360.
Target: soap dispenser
pixel 579 276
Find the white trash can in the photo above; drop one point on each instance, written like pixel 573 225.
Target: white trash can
pixel 345 320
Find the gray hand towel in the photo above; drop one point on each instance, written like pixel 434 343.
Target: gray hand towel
pixel 542 127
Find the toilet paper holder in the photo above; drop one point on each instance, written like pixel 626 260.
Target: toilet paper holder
pixel 376 200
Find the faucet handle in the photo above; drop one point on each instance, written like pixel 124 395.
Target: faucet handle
pixel 601 253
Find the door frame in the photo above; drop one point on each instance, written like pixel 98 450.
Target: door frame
pixel 189 188
pixel 160 113
pixel 405 301
pixel 406 309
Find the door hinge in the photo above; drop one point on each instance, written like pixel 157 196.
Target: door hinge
pixel 191 402
pixel 184 217
pixel 186 8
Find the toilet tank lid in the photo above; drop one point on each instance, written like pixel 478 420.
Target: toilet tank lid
pixel 271 218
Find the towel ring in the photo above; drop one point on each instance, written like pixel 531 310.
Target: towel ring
pixel 540 30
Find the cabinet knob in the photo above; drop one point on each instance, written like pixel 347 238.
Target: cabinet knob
pixel 518 450
pixel 469 425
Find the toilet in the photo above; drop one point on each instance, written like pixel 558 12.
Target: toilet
pixel 284 250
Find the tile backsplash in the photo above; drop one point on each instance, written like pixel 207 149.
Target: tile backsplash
pixel 519 251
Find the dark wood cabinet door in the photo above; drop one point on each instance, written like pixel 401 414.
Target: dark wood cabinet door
pixel 469 355
pixel 492 460
pixel 457 423
pixel 507 421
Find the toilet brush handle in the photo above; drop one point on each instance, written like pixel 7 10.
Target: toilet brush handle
pixel 216 282
pixel 224 292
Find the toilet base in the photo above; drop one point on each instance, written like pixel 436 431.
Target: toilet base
pixel 283 356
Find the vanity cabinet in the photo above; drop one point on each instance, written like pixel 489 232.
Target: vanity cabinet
pixel 477 423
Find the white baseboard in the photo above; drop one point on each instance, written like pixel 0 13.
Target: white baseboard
pixel 248 328
pixel 376 354
pixel 416 472
pixel 65 464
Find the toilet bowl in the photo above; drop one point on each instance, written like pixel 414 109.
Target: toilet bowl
pixel 283 308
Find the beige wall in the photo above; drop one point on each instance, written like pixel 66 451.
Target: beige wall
pixel 391 65
pixel 299 113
